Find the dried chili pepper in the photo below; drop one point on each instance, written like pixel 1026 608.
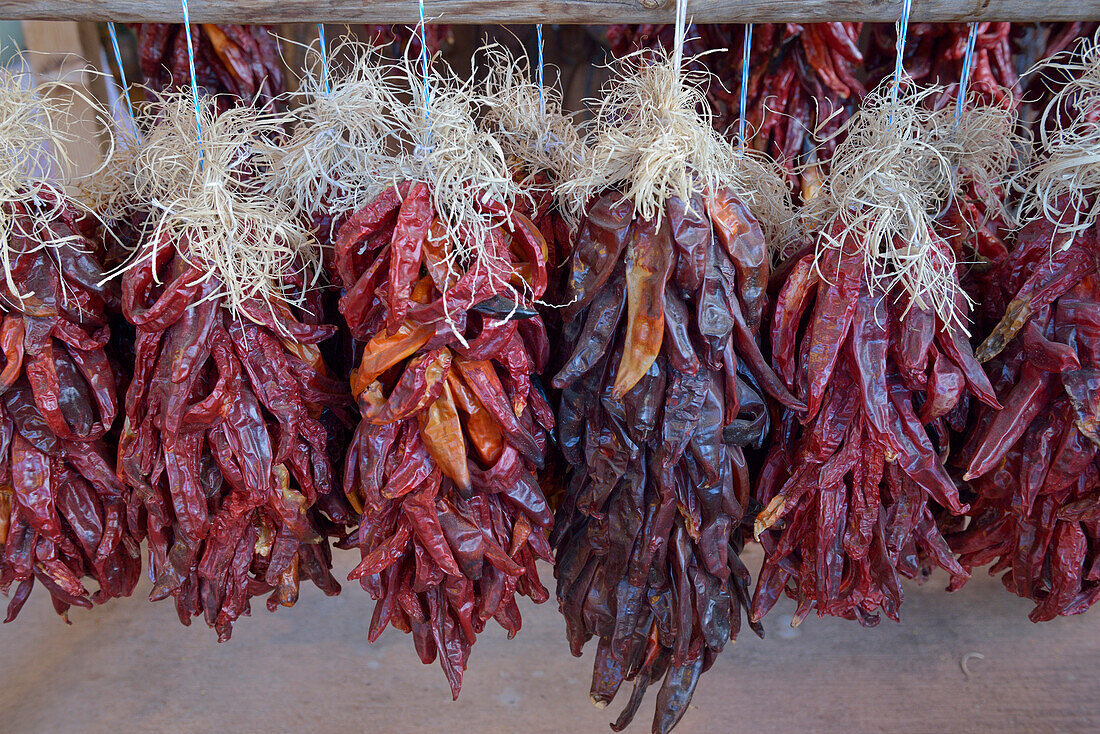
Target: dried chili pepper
pixel 935 54
pixel 442 468
pixel 406 39
pixel 62 510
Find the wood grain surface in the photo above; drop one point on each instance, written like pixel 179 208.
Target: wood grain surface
pixel 130 667
pixel 544 11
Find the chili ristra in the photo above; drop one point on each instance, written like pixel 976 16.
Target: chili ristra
pixel 226 443
pixel 62 509
pixel 869 331
pixel 856 478
pixel 663 386
pixel 1032 468
pixel 454 425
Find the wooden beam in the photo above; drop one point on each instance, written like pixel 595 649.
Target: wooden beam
pixel 545 11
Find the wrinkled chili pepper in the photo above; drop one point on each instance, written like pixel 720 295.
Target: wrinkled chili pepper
pixel 450 518
pixel 851 487
pixel 62 510
pixel 662 386
pixel 406 39
pixel 935 54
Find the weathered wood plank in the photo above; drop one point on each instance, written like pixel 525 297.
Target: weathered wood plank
pixel 544 11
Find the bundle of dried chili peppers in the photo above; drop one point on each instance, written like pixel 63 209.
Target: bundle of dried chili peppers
pixel 1033 466
pixel 62 510
pixel 663 386
pixel 803 84
pixel 441 273
pixel 231 415
pixel 236 63
pixel 868 330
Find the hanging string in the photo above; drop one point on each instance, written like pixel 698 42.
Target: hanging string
pixel 744 85
pixel 121 71
pixel 324 55
pixel 899 62
pixel 424 62
pixel 681 23
pixel 542 100
pixel 194 79
pixel 960 102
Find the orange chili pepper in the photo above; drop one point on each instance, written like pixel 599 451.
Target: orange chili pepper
pixel 419 386
pixel 481 429
pixel 441 431
pixel 11 342
pixel 385 350
pixel 648 264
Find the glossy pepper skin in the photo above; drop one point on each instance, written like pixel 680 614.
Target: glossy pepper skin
pixel 850 487
pixel 454 426
pixel 225 446
pixel 239 64
pixel 62 511
pixel 1031 469
pixel 662 385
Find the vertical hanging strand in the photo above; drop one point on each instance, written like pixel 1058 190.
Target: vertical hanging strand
pixel 194 79
pixel 744 86
pixel 538 39
pixel 324 55
pixel 122 73
pixel 964 80
pixel 424 62
pixel 899 62
pixel 678 45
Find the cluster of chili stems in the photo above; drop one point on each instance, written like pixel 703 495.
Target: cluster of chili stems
pixel 803 84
